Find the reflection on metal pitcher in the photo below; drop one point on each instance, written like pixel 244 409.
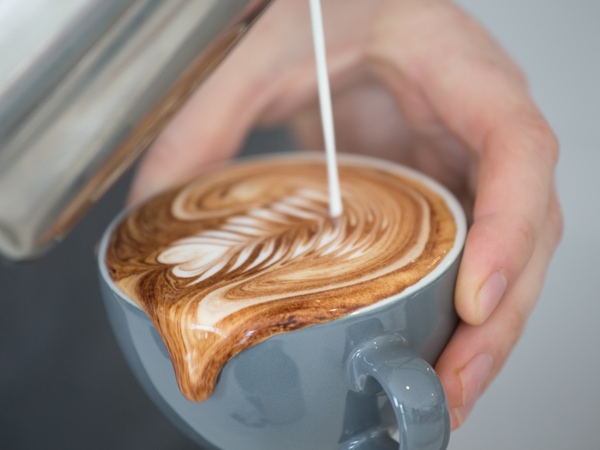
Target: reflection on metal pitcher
pixel 84 88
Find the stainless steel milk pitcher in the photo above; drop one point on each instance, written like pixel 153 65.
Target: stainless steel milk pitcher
pixel 85 85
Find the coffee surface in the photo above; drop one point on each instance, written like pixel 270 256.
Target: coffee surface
pixel 248 251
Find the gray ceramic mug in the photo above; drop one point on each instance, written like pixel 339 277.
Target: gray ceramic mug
pixel 364 381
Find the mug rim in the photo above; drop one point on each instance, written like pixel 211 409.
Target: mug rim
pixel 449 199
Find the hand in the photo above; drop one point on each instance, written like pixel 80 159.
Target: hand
pixel 419 82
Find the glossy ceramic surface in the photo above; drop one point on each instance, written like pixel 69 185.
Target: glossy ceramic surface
pixel 353 383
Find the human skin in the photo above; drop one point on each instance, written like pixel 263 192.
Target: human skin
pixel 421 83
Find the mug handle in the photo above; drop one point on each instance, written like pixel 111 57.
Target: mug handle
pixel 413 389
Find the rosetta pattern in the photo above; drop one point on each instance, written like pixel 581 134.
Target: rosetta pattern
pixel 289 246
pixel 250 251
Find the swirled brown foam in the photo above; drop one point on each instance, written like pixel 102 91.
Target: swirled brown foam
pixel 249 251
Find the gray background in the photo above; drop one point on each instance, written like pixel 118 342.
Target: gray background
pixel 548 395
pixel 64 383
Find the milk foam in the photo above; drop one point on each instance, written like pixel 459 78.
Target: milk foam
pixel 250 241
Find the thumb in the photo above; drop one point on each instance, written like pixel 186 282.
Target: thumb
pixel 209 128
pixel 215 121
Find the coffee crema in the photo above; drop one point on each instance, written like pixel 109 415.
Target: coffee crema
pixel 248 251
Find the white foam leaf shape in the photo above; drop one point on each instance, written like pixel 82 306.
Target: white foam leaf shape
pixel 250 241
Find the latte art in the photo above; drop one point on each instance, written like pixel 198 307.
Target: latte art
pixel 249 251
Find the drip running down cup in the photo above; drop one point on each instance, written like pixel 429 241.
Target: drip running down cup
pixel 256 321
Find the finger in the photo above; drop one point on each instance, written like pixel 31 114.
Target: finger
pixel 468 84
pixel 476 354
pixel 209 128
pixel 517 153
pixel 513 191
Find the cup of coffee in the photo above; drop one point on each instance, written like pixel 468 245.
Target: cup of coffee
pixel 257 321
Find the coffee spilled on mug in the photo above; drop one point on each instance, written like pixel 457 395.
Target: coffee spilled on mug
pixel 248 251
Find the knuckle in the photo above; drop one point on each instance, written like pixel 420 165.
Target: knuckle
pixel 514 323
pixel 525 233
pixel 544 142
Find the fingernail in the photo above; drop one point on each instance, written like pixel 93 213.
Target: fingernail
pixel 472 378
pixel 459 415
pixel 474 375
pixel 489 295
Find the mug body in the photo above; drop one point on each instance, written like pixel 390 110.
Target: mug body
pixel 363 381
pixel 292 391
